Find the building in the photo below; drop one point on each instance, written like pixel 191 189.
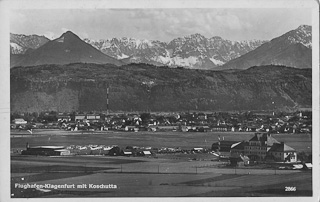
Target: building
pixel 20 121
pixel 131 128
pixel 263 147
pixel 237 156
pixel 198 150
pixel 223 146
pixel 146 153
pixel 219 128
pixel 93 117
pixel 282 152
pixel 80 117
pixel 127 152
pixel 46 151
pixel 63 117
pixel 259 145
pixel 237 149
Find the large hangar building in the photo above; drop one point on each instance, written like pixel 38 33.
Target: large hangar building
pixel 46 151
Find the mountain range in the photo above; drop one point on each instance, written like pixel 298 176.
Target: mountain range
pixel 195 51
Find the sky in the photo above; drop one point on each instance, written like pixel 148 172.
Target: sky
pixel 160 24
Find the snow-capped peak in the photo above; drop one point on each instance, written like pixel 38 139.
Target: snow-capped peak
pixel 303 35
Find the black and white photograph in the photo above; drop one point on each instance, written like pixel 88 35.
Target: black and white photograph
pixel 178 100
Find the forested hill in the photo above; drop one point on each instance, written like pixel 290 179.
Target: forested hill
pixel 141 87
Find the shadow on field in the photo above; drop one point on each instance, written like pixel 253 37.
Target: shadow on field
pixel 34 193
pixel 55 168
pixel 212 179
pixel 45 176
pixel 302 186
pixel 75 159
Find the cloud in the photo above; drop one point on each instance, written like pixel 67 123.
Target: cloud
pixel 168 23
pixel 50 35
pixel 160 24
pixel 17 17
pixel 231 22
pixel 83 35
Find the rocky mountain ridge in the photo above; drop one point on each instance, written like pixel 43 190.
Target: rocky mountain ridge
pixel 20 43
pixel 193 51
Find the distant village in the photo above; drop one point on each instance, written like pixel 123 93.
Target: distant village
pixel 280 122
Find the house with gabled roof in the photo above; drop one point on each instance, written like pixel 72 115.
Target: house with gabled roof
pixel 263 145
pixel 260 147
pixel 283 152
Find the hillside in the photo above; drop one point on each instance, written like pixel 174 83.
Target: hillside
pixel 68 48
pixel 140 87
pixel 293 49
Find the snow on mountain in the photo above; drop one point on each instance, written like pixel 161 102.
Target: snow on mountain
pixel 20 43
pixel 216 62
pixel 303 35
pixel 293 49
pixel 123 56
pixel 185 62
pixel 15 48
pixel 192 51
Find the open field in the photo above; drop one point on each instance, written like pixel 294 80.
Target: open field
pixel 166 175
pixel 149 177
pixel 185 140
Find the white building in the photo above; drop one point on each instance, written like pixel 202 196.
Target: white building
pixel 20 121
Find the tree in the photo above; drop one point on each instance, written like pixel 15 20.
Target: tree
pixel 115 151
pixel 302 156
pixel 145 117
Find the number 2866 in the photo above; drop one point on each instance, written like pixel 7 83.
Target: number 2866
pixel 290 189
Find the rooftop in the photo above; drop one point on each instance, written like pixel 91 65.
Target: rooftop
pixel 264 138
pixel 281 148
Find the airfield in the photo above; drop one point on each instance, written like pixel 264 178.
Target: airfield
pixel 163 175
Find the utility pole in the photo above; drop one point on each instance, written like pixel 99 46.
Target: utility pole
pixel 219 144
pixel 108 100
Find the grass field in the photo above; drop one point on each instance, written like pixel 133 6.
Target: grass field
pixel 185 140
pixel 167 175
pixel 150 177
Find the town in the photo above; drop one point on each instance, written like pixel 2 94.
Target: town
pixel 272 122
pixel 262 147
